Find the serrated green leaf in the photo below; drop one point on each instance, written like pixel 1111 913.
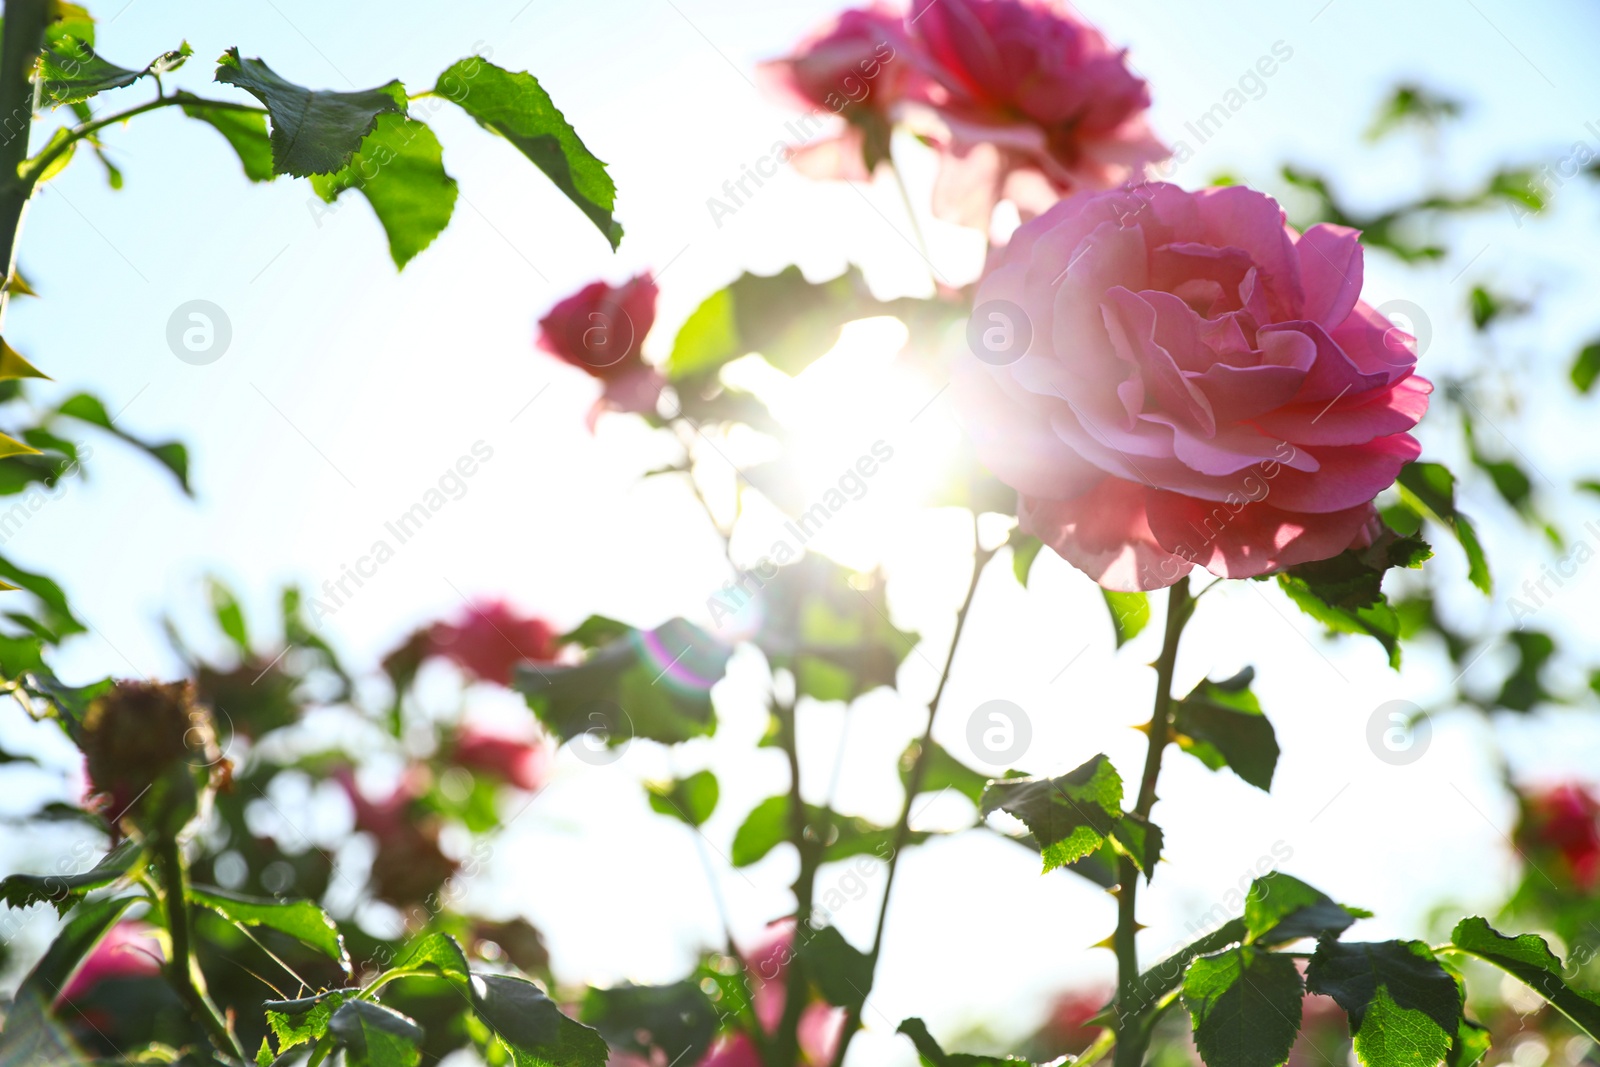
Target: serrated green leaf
pixel 1528 958
pixel 1224 727
pixel 436 952
pixel 690 800
pixel 1432 487
pixel 1281 908
pixel 1070 815
pixel 1140 840
pixel 1404 1008
pixel 313 131
pixel 304 1021
pixel 400 170
pixel 531 1027
pixel 376 1036
pixel 516 106
pixel 1245 1004
pixel 302 920
pixel 245 131
pixel 65 890
pixel 72 71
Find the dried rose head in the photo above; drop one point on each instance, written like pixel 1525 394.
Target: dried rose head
pixel 150 751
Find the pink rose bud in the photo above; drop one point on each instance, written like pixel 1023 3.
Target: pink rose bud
pixel 1172 378
pixel 599 329
pixel 1030 103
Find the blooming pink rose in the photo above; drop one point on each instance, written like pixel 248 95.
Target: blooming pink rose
pixel 1170 378
pixel 858 67
pixel 129 950
pixel 491 639
pixel 1032 103
pixel 521 762
pixel 599 329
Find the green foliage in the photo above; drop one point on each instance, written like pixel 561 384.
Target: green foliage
pixel 1586 367
pixel 931 1055
pixel 691 799
pixel 1528 958
pixel 1523 689
pixel 517 107
pixel 299 919
pixel 71 71
pixel 1130 614
pixel 29 1032
pixel 652 684
pixel 65 890
pixel 400 170
pixel 1024 550
pixel 1404 1008
pixel 770 823
pixel 1412 105
pixel 313 131
pixel 678 1019
pixel 1245 1004
pixel 376 1036
pixel 1070 815
pixel 304 1021
pixel 841 972
pixel 1281 908
pixel 942 771
pixel 790 321
pixel 1345 593
pixel 435 953
pixel 171 454
pixel 530 1026
pixel 1221 724
pixel 245 131
pixel 1432 489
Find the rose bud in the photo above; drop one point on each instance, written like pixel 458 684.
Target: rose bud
pixel 599 329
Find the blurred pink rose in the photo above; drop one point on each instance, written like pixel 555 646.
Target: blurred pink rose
pixel 409 866
pixel 767 970
pixel 522 762
pixel 1171 378
pixel 857 67
pixel 1030 103
pixel 129 950
pixel 1567 818
pixel 599 330
pixel 1068 1030
pixel 491 639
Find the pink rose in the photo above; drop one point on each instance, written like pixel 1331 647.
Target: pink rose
pixel 1170 378
pixel 599 330
pixel 409 867
pixel 858 67
pixel 491 639
pixel 518 761
pixel 129 950
pixel 767 971
pixel 1032 103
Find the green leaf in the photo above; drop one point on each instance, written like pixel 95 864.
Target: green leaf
pixel 690 799
pixel 841 972
pixel 1221 725
pixel 65 890
pixel 29 1031
pixel 943 771
pixel 1523 689
pixel 1130 613
pixel 1245 1004
pixel 72 71
pixel 531 1027
pixel 595 631
pixel 229 615
pixel 515 106
pixel 1470 1046
pixel 1432 488
pixel 1404 1008
pixel 57 617
pixel 436 952
pixel 768 825
pixel 302 920
pixel 400 170
pixel 932 1055
pixel 304 1021
pixel 376 1036
pixel 1281 908
pixel 1529 959
pixel 1070 815
pixel 654 684
pixel 171 454
pixel 1140 840
pixel 830 627
pixel 1024 550
pixel 790 321
pixel 1586 368
pixel 1154 984
pixel 678 1019
pixel 313 131
pixel 246 131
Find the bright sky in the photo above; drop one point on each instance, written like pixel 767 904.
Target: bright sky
pixel 347 390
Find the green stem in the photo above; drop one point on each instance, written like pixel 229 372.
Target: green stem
pixel 1131 1034
pixel 19 48
pixel 914 780
pixel 38 165
pixel 182 971
pixel 784 1049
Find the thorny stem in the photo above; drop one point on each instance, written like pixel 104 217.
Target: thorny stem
pixel 1132 1034
pixel 914 779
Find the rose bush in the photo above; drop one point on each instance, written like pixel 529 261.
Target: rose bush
pixel 1171 378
